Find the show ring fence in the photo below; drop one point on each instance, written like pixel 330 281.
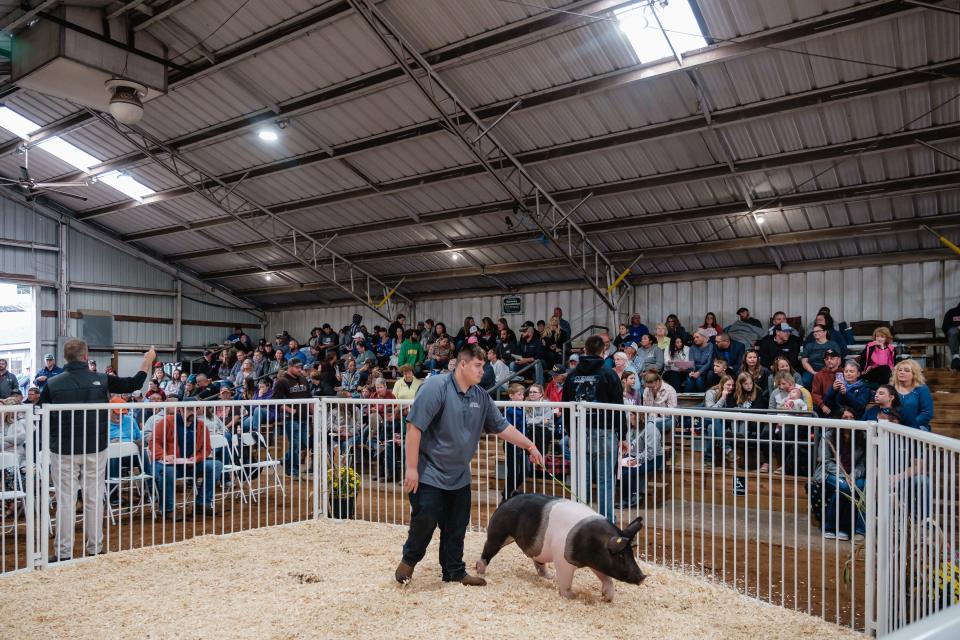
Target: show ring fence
pixel 739 498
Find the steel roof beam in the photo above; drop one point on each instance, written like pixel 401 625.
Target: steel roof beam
pixel 375 80
pixel 653 254
pixel 719 170
pixel 847 91
pixel 886 189
pixel 355 282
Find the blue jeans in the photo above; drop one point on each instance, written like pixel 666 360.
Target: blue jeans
pixel 437 365
pixel 603 448
pixel 837 489
pixel 297 436
pixel 806 379
pixel 165 475
pixel 257 417
pixel 663 424
pixel 695 385
pixel 449 509
pixel 634 479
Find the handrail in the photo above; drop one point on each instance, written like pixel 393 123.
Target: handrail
pixel 566 345
pixel 513 374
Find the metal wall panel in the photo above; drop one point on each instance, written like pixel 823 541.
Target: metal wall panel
pixel 90 261
pixel 888 292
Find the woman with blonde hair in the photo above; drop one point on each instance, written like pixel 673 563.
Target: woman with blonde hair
pixel 553 339
pixel 879 357
pixel 916 401
pixel 662 337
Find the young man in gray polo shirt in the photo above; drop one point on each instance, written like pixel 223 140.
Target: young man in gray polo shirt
pixel 448 416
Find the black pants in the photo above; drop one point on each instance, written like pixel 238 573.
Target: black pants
pixel 450 510
pixel 516 464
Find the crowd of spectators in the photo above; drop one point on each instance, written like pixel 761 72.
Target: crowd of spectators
pixel 744 365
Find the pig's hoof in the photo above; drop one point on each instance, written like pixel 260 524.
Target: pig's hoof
pixel 608 596
pixel 566 593
pixel 542 571
pixel 481 567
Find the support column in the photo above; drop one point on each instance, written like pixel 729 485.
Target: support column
pixel 63 285
pixel 178 320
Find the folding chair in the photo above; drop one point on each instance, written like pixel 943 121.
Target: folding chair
pixel 9 464
pixel 142 481
pixel 255 440
pixel 230 469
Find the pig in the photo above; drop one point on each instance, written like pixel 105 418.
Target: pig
pixel 568 534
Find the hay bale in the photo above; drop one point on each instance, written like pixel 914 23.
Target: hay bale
pixel 335 579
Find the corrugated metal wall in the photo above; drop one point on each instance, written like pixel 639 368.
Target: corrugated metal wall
pixel 889 292
pixel 91 262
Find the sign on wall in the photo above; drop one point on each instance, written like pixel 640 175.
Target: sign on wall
pixel 511 305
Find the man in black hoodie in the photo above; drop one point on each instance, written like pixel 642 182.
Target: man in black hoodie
pixel 951 329
pixel 591 381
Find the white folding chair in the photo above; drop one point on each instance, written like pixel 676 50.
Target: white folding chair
pixel 142 481
pixel 10 467
pixel 255 441
pixel 233 471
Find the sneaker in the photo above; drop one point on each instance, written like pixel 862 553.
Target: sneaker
pixel 404 573
pixel 843 535
pixel 858 537
pixel 829 535
pixel 955 363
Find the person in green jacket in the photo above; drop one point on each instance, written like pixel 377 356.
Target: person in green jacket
pixel 411 351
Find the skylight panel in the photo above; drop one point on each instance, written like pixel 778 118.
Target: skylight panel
pixel 73 155
pixel 680 29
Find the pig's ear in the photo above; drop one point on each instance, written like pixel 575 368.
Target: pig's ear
pixel 633 528
pixel 618 543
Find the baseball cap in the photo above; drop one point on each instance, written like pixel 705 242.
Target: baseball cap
pixel 49 356
pixel 574 357
pixel 527 325
pixel 743 309
pixel 630 345
pixel 473 329
pixel 296 362
pixel 358 336
pixel 783 326
pixel 158 365
pixel 207 352
pixel 472 340
pixel 831 353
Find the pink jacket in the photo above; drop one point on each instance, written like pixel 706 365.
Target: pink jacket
pixel 874 356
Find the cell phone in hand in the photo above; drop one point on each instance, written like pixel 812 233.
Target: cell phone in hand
pixel 839 376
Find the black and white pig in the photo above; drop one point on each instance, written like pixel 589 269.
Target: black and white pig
pixel 568 534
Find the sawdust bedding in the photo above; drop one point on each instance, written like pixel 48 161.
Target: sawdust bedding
pixel 335 579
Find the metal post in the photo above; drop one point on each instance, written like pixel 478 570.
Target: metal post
pixel 870 586
pixel 31 489
pixel 321 461
pixel 578 445
pixel 44 486
pixel 63 283
pixel 178 319
pixel 883 576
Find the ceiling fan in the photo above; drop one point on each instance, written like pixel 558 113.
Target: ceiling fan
pixel 31 189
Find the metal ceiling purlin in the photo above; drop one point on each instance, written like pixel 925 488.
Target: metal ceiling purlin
pixel 227 199
pixel 487 149
pixel 950 220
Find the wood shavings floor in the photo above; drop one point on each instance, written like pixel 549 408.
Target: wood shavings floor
pixel 335 579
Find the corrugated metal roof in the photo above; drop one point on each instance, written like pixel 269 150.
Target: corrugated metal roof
pixel 343 50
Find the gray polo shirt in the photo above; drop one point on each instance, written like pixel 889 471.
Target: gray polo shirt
pixel 452 423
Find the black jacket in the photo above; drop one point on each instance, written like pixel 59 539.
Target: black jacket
pixel 591 381
pixel 769 349
pixel 951 319
pixel 78 432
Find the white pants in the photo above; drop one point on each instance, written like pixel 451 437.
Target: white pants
pixel 70 473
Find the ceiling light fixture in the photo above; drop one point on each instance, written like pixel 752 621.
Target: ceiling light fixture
pixel 268 135
pixel 760 218
pixel 455 256
pixel 269 277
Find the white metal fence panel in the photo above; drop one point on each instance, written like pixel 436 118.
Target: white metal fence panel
pixel 850 521
pixel 155 473
pixel 918 559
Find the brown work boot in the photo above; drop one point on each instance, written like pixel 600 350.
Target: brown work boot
pixel 404 573
pixel 472 581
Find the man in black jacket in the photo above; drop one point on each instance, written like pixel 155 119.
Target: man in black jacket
pixel 78 442
pixel 530 351
pixel 781 343
pixel 591 381
pixel 951 329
